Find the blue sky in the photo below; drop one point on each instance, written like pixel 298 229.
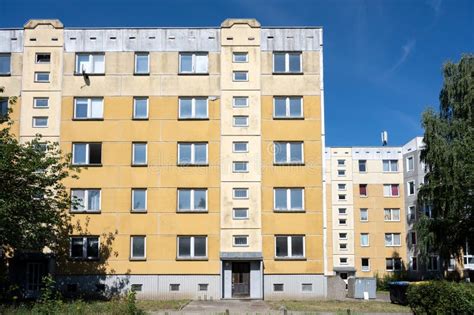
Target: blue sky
pixel 382 58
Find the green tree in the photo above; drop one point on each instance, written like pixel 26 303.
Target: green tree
pixel 33 198
pixel 449 159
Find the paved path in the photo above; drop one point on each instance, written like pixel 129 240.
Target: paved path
pixel 234 307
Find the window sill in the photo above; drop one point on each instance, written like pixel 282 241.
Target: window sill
pixel 193 165
pixel 139 165
pixel 288 118
pixel 84 212
pixel 147 74
pixel 192 211
pixel 289 164
pixel 5 74
pixel 287 73
pixel 192 259
pixel 87 165
pixel 89 74
pixel 88 119
pixel 290 258
pixel 289 211
pixel 138 211
pixel 193 74
pixel 140 119
pixel 191 118
pixel 137 259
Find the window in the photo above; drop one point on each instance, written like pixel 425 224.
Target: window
pixel 410 163
pixel 392 239
pixel 428 211
pixel 307 287
pixel 432 263
pixel 343 236
pixel 468 257
pixel 341 186
pixel 390 165
pixel 43 58
pixel 411 187
pixel 142 63
pixel 240 193
pixel 240 121
pixel 287 62
pixel 5 64
pixel 341 197
pixel 203 286
pixel 136 287
pixel 190 247
pixel 3 108
pixel 240 57
pixel 364 239
pixel 365 263
pixel 391 190
pixel 286 199
pixel 289 246
pixel 240 166
pixel 174 286
pixel 139 153
pixel 240 213
pixel 341 162
pixel 139 199
pixel 343 246
pixel 240 76
pixel 85 200
pixel 343 261
pixel 287 107
pixel 341 173
pixel 193 63
pixel 42 77
pixel 288 152
pixel 89 108
pixel 40 102
pixel 414 263
pixel 192 200
pixel 40 122
pixel 137 247
pixel 192 153
pixel 140 108
pixel 391 214
pixel 362 166
pixel 240 240
pixel 364 214
pixel 363 190
pixel 342 221
pixel 413 238
pixel 342 211
pixel 278 287
pixel 393 264
pixel 240 146
pixel 240 101
pixel 87 153
pixel 193 108
pixel 411 213
pixel 90 63
pixel 84 247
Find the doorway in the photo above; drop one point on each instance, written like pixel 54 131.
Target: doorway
pixel 35 271
pixel 240 279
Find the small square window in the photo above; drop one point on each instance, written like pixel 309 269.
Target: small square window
pixel 342 211
pixel 343 261
pixel 365 263
pixel 341 197
pixel 136 287
pixel 341 162
pixel 240 76
pixel 240 146
pixel 42 77
pixel 240 213
pixel 203 286
pixel 342 246
pixel 307 287
pixel 240 121
pixel 343 236
pixel 240 167
pixel 341 186
pixel 174 287
pixel 240 57
pixel 240 193
pixel 240 101
pixel 241 240
pixel 40 122
pixel 41 102
pixel 341 173
pixel 278 287
pixel 43 58
pixel 342 222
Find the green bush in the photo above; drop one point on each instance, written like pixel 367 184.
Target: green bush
pixel 441 297
pixel 386 278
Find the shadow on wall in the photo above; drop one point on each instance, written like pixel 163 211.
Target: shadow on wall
pixel 89 278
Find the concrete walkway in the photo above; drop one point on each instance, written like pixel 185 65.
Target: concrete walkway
pixel 233 306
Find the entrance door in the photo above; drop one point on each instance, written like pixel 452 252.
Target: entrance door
pixel 240 279
pixel 34 273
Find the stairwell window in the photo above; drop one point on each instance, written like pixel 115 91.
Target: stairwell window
pixel 90 63
pixel 193 108
pixel 290 246
pixel 288 199
pixel 240 166
pixel 240 146
pixel 287 62
pixel 288 152
pixel 84 247
pixel 240 121
pixel 40 122
pixel 42 77
pixel 192 247
pixel 239 76
pixel 85 200
pixel 240 101
pixel 87 153
pixel 240 57
pixel 88 108
pixel 142 63
pixel 240 193
pixel 192 153
pixel 193 63
pixel 40 102
pixel 362 166
pixel 43 58
pixel 287 107
pixel 240 213
pixel 192 200
pixel 240 240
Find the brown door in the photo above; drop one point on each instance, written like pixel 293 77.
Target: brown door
pixel 240 279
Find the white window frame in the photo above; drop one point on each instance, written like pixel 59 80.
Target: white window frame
pixel 192 205
pixel 193 108
pixel 289 207
pixel 411 213
pixel 35 121
pixel 137 54
pixel 288 152
pixel 133 200
pixel 339 185
pixel 408 159
pixel 391 162
pixel 288 107
pixel 191 247
pixel 344 212
pixel 360 214
pixel 38 73
pixel 368 240
pixel 408 188
pixel 365 268
pixel 240 188
pixel 240 97
pixel 287 61
pixel 240 116
pixel 84 248
pixel 193 153
pixel 42 53
pixel 89 108
pixel 392 243
pixel 240 218
pixel 393 264
pixel 235 73
pixel 193 62
pixel 392 210
pixel 234 150
pixel 36 99
pixel 234 237
pixel 135 107
pixel 341 173
pixel 343 236
pixel 391 195
pixel 87 161
pixel 235 163
pixel 132 257
pixel 85 201
pixel 134 145
pixel 240 53
pixel 91 63
pixel 289 246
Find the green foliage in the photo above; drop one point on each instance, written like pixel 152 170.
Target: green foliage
pixel 441 297
pixel 384 279
pixel 449 158
pixel 131 302
pixel 50 299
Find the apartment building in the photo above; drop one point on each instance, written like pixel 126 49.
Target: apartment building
pixel 201 152
pixel 365 211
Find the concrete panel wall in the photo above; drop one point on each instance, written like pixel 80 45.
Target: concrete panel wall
pixel 293 286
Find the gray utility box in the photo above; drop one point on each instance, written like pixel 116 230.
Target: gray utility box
pixel 357 286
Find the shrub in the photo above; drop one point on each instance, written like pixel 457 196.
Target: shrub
pixel 441 297
pixel 386 278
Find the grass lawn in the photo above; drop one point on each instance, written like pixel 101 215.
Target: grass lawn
pixel 340 306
